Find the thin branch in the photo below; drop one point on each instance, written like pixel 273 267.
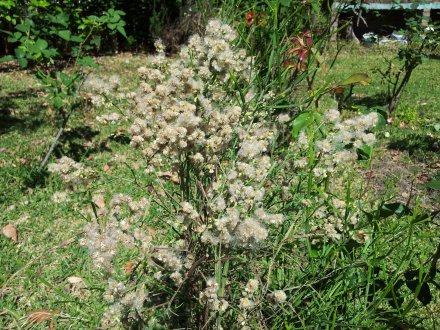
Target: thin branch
pixel 63 126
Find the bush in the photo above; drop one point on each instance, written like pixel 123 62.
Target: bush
pixel 258 223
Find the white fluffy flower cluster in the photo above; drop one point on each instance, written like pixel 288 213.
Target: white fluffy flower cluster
pixel 210 296
pixel 100 86
pixel 60 197
pixel 72 173
pixel 248 301
pixel 123 303
pixel 340 143
pixel 100 91
pixel 278 297
pixel 121 226
pixel 187 106
pixel 333 220
pixel 237 196
pixel 175 261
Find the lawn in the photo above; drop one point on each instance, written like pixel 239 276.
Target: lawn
pixel 47 269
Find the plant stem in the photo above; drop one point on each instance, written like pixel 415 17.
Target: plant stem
pixel 63 126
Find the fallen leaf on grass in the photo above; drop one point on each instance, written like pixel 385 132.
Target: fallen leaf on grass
pixel 42 315
pixel 107 169
pixel 152 232
pixel 169 176
pixel 74 279
pixel 11 232
pixel 99 201
pixel 129 267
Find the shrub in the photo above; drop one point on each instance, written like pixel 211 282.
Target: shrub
pixel 252 231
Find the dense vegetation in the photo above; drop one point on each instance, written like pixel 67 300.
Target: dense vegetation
pixel 262 176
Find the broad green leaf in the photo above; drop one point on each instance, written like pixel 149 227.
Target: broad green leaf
pixel 115 18
pixel 23 27
pixel 58 102
pixel 381 121
pixel 433 184
pixel 398 209
pixel 299 123
pixel 22 61
pixel 65 79
pixel 76 39
pixel 65 34
pixel 365 152
pixel 121 30
pixel 50 53
pixel 41 44
pixel 357 79
pixel 20 53
pixel 96 40
pixel 40 3
pixel 15 37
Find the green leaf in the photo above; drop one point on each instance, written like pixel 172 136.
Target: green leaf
pixel 23 27
pixel 20 53
pixel 22 61
pixel 96 40
pixel 115 18
pixel 119 12
pixel 398 209
pixel 7 58
pixel 121 30
pixel 65 34
pixel 50 53
pixel 65 79
pixel 40 3
pixel 357 79
pixel 41 44
pixel 57 102
pixel 16 36
pixel 76 39
pixel 299 123
pixel 365 152
pixel 433 184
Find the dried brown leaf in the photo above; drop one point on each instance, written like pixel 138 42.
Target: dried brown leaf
pixel 11 232
pixel 152 232
pixel 41 315
pixel 74 280
pixel 129 267
pixel 173 177
pixel 99 201
pixel 107 168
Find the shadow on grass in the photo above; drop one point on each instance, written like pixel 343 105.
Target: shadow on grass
pixel 74 143
pixel 10 104
pixel 416 143
pixel 35 177
pixel 377 100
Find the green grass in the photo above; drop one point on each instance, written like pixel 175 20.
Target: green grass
pixel 34 272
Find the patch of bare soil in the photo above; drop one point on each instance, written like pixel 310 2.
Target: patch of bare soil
pixel 393 171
